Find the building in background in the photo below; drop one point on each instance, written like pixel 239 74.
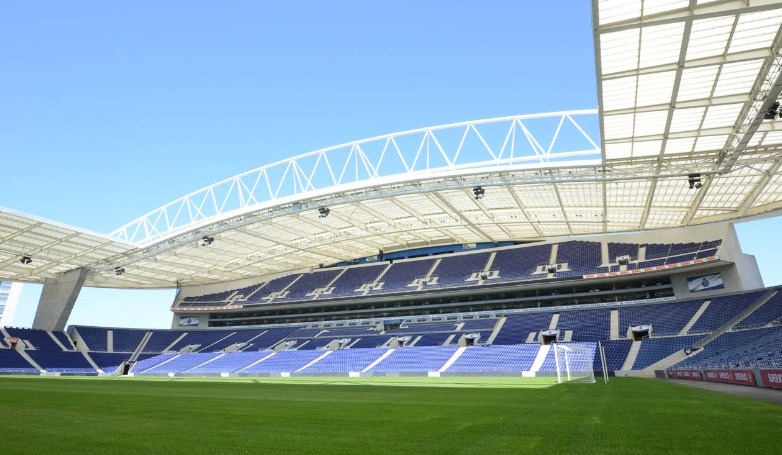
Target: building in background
pixel 9 298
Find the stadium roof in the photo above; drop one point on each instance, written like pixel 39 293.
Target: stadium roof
pixel 683 88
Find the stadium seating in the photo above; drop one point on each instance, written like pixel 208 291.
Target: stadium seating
pixel 517 263
pixel 581 257
pixel 755 341
pixel 127 340
pixel 587 325
pixel 517 327
pixel 348 284
pixel 229 363
pixel 94 337
pixel 454 270
pixel 616 352
pixel 414 360
pixel 471 325
pixel 11 362
pixel 181 363
pixel 549 363
pixel 39 339
pixel 401 275
pixel 665 318
pixel 62 361
pixel 655 349
pixel 160 340
pixel 272 287
pixel 768 313
pixel 757 348
pixel 109 361
pixel 495 359
pixel 723 309
pixel 303 288
pixel 283 361
pixel 344 361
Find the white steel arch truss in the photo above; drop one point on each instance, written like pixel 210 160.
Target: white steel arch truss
pixel 505 142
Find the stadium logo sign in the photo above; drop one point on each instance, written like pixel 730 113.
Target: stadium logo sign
pixel 705 282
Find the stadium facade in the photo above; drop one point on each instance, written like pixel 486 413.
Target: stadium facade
pixel 466 244
pixel 9 299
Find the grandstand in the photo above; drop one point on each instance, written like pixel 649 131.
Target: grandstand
pixel 621 242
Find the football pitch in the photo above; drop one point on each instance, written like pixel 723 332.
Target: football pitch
pixel 378 415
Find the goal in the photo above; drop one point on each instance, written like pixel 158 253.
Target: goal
pixel 575 362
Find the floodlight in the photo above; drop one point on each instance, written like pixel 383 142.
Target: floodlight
pixel 772 111
pixel 323 212
pixel 694 181
pixel 119 270
pixel 207 240
pixel 479 192
pixel 26 260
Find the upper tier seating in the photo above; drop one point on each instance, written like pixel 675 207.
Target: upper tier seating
pixel 303 288
pixel 520 263
pixel 349 283
pixel 401 275
pixel 454 270
pixel 622 249
pixel 517 263
pixel 271 288
pixel 582 257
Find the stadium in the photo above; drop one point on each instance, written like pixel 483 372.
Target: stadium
pixel 518 283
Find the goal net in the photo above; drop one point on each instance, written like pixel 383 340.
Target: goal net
pixel 575 362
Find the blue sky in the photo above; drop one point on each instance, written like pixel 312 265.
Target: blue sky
pixel 111 110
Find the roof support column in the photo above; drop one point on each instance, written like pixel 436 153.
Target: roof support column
pixel 57 300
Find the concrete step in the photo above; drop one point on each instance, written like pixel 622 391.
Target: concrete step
pixel 631 356
pixel 538 362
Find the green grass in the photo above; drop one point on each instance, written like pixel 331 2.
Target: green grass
pixel 378 415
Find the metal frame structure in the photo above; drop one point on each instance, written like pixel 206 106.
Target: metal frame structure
pixel 684 87
pixel 399 157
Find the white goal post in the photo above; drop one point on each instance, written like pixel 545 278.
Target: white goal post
pixel 575 362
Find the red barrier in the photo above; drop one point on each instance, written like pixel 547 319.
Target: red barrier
pixel 771 378
pixel 693 375
pixel 670 374
pixel 744 377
